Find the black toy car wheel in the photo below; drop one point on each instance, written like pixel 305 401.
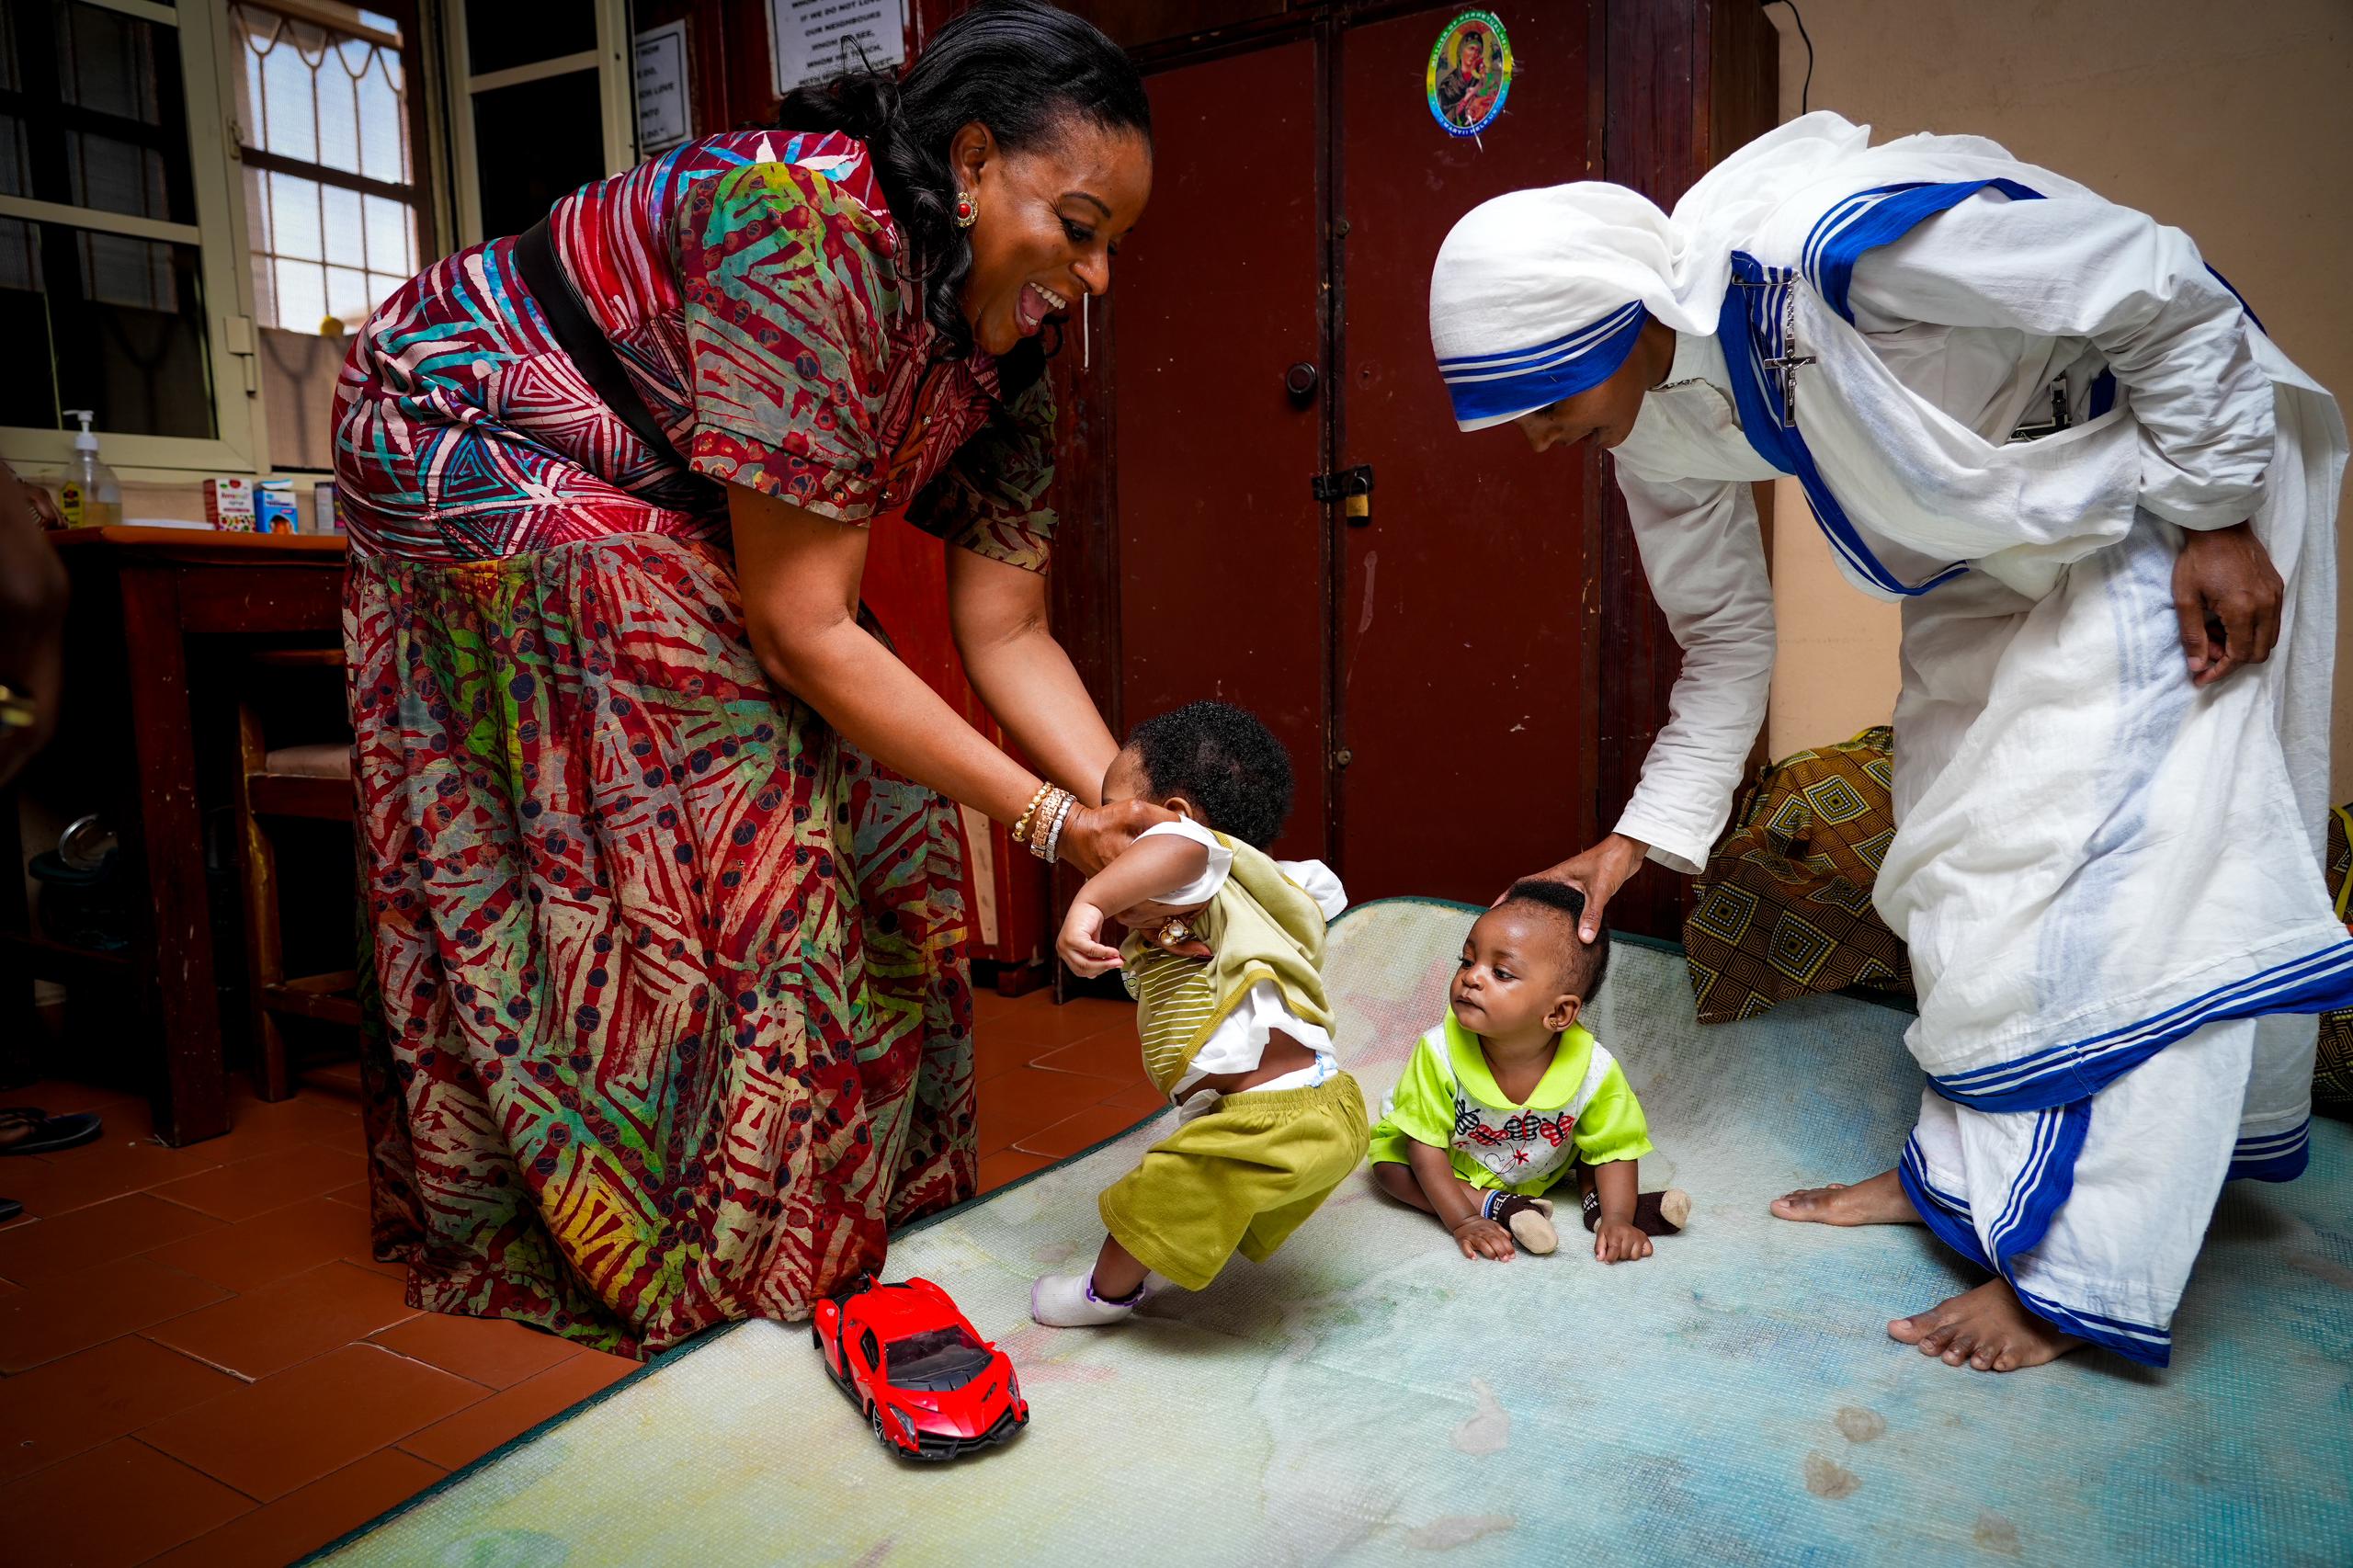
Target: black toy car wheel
pixel 875 1412
pixel 816 1337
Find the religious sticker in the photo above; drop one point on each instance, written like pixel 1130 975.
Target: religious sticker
pixel 1470 73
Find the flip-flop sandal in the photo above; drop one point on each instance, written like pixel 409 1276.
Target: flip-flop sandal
pixel 34 1133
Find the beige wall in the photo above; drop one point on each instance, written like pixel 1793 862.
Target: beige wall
pixel 2235 122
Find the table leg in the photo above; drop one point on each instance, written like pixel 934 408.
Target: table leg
pixel 17 986
pixel 194 1101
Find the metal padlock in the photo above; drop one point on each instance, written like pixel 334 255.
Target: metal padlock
pixel 1352 487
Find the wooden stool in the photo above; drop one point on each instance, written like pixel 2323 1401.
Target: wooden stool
pixel 311 781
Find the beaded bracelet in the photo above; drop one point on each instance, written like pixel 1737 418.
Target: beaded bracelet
pixel 1028 814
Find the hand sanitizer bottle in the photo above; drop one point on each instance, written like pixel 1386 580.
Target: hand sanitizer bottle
pixel 92 497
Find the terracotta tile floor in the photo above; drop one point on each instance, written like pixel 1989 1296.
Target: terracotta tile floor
pixel 203 1365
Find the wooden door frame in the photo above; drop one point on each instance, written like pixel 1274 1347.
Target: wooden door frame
pixel 1730 54
pixel 1335 20
pixel 1332 551
pixel 1656 142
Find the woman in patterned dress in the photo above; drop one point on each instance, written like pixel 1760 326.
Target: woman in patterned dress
pixel 670 1018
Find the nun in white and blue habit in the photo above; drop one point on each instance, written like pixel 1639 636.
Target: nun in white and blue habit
pixel 2008 402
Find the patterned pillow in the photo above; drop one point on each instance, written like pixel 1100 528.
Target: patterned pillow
pixel 1784 908
pixel 2333 1068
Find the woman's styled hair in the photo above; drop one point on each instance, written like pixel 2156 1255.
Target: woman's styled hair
pixel 1023 69
pixel 1224 761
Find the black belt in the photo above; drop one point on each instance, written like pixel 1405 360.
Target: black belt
pixel 584 342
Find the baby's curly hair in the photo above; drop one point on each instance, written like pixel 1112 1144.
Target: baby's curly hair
pixel 1224 761
pixel 1583 964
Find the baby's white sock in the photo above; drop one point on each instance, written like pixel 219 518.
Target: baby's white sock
pixel 1068 1301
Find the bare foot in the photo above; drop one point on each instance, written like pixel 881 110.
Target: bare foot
pixel 1879 1201
pixel 1986 1329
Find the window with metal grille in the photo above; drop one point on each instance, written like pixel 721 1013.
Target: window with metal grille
pixel 324 128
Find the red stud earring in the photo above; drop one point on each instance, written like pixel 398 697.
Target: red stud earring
pixel 967 210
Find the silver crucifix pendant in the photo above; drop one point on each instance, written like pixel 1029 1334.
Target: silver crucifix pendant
pixel 1786 367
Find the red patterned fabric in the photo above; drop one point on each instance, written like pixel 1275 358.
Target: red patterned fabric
pixel 668 1015
pixel 748 284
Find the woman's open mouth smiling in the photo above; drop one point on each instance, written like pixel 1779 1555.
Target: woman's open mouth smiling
pixel 1034 304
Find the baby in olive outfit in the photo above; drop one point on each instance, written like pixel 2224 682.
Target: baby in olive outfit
pixel 1240 1039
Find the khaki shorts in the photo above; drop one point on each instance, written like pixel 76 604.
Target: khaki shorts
pixel 1242 1177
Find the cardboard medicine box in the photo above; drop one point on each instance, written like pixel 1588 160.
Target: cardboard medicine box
pixel 229 504
pixel 274 508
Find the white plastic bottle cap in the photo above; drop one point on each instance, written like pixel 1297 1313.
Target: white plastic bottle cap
pixel 85 442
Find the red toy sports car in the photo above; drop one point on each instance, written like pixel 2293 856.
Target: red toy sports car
pixel 931 1388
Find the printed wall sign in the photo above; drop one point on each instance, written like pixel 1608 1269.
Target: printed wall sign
pixel 664 117
pixel 1470 73
pixel 815 40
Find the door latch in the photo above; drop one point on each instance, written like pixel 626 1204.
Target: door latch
pixel 1352 487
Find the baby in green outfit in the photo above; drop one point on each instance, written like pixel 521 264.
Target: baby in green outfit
pixel 1511 1095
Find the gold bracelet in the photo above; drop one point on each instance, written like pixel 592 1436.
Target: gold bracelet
pixel 1028 814
pixel 1048 815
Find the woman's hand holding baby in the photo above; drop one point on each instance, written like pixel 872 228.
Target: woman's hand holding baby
pixel 1093 836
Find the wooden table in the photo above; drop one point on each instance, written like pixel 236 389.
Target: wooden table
pixel 139 595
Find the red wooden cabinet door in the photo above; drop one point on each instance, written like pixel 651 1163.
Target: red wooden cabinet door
pixel 1466 680
pixel 1220 557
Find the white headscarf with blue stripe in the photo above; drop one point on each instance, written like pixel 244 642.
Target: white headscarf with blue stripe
pixel 1539 294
